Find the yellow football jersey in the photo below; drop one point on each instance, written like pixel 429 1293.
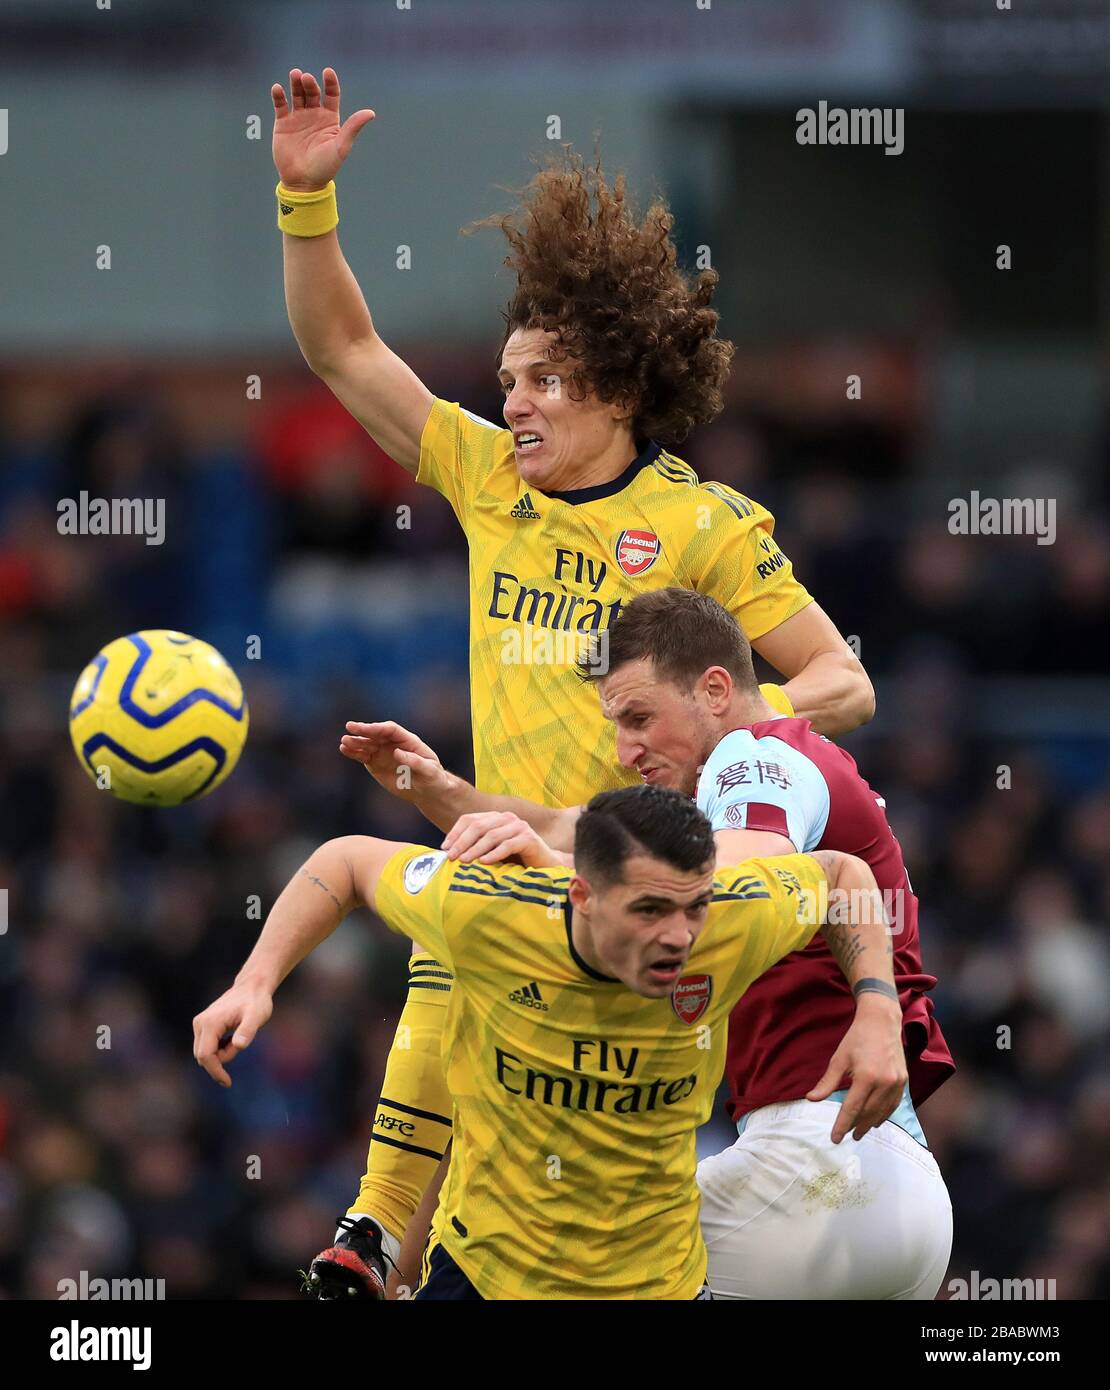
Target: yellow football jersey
pixel 549 569
pixel 572 1171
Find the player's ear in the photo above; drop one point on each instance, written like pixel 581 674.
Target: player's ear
pixel 624 410
pixel 579 893
pixel 717 685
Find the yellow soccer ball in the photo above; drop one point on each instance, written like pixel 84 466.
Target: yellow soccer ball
pixel 158 718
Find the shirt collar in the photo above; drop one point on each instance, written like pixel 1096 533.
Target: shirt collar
pixel 649 452
pixel 581 964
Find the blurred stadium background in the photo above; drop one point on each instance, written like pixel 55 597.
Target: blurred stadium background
pixel 129 127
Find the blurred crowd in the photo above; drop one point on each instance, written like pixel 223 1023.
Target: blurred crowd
pixel 285 523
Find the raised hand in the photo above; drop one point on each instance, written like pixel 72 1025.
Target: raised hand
pixel 310 144
pixel 397 760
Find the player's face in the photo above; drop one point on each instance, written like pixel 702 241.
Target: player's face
pixel 641 931
pixel 556 440
pixel 663 731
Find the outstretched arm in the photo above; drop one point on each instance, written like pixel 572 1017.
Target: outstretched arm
pixel 406 767
pixel 327 311
pixel 340 876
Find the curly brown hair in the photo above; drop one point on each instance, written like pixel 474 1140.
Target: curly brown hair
pixel 609 286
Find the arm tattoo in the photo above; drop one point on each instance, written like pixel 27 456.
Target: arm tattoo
pixel 319 882
pixel 843 941
pixel 870 985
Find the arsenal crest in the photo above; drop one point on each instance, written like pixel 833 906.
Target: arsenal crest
pixel 637 551
pixel 691 997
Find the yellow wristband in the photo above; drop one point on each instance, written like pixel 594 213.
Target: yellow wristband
pixel 777 698
pixel 307 214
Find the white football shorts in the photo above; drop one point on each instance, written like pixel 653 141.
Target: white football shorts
pixel 788 1214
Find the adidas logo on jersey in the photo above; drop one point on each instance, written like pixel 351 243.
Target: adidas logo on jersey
pixel 530 996
pixel 524 511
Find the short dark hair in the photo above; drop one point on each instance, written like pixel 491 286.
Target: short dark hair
pixel 656 821
pixel 683 632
